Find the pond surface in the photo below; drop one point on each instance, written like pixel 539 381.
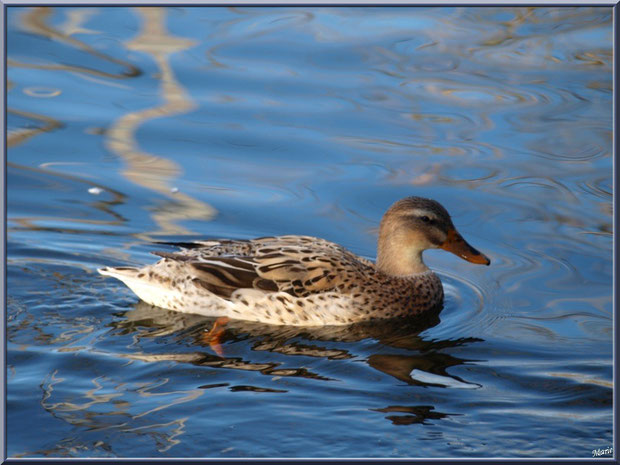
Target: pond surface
pixel 128 126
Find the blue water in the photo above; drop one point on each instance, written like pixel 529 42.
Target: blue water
pixel 133 125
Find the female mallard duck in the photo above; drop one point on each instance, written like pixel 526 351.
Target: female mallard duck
pixel 306 281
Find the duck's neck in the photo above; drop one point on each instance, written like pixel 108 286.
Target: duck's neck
pixel 394 259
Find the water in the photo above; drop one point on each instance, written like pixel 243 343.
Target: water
pixel 134 125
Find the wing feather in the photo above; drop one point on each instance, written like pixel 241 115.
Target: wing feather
pixel 298 265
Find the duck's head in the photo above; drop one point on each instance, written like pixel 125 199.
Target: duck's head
pixel 413 225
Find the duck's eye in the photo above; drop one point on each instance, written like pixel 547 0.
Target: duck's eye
pixel 426 219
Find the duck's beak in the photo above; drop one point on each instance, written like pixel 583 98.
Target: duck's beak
pixel 459 246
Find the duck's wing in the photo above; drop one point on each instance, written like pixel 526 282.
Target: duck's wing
pixel 213 247
pixel 287 264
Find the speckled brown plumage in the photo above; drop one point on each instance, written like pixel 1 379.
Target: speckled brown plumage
pixel 302 280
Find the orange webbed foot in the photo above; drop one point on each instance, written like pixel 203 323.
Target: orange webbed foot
pixel 214 336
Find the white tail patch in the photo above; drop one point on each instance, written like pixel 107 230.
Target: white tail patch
pixel 151 292
pixel 117 272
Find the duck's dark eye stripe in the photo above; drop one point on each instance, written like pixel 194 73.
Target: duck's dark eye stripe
pixel 423 218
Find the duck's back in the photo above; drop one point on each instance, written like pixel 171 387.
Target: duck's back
pixel 281 280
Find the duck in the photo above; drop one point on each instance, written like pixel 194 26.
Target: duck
pixel 303 280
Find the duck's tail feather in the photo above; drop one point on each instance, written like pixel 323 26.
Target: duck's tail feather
pixel 155 289
pixel 119 271
pixel 151 291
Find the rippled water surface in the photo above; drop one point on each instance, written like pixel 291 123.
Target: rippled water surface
pixel 133 125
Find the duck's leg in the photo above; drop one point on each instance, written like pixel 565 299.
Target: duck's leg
pixel 214 336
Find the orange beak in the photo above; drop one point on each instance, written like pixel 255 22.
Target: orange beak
pixel 458 246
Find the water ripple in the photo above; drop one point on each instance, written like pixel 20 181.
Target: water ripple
pixel 246 121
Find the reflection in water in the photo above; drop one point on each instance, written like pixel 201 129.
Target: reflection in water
pixel 207 360
pixel 150 321
pixel 42 92
pixel 76 18
pixel 415 370
pixel 145 169
pixel 86 412
pixel 308 120
pixel 50 176
pixel 414 414
pixel 18 136
pixel 35 20
pixel 511 47
pixel 146 321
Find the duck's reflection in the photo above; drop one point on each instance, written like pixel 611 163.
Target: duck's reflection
pixel 412 415
pixel 416 361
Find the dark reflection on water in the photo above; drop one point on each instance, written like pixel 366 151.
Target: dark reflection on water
pixel 146 321
pixel 417 414
pixel 128 126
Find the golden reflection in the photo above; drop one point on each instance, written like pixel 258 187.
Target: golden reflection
pixel 606 86
pixel 583 379
pixel 145 169
pixel 76 18
pixel 18 136
pixel 83 408
pixel 512 46
pixel 165 440
pixel 35 20
pixel 76 334
pixel 65 406
pixel 182 396
pixel 521 15
pixel 42 92
pixel 600 58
